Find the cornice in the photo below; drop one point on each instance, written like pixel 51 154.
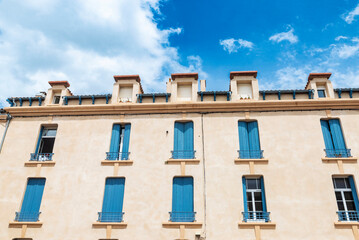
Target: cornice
pixel 198 107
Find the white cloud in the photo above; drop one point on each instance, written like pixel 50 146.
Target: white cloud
pixel 345 51
pixel 285 36
pixel 233 45
pixel 340 38
pixel 86 43
pixel 349 18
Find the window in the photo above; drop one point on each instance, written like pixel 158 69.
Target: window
pixel 120 141
pixel 56 99
pixel 244 90
pixel 183 141
pixel 321 93
pixel 125 94
pixel 334 139
pixel 184 92
pixel 249 144
pixel 254 200
pixel 347 198
pixel 45 144
pixel 113 200
pixel 182 200
pixel 32 200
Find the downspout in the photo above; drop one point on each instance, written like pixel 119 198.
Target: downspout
pixel 6 127
pixel 204 235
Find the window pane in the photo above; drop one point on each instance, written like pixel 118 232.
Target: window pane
pixel 250 206
pixel 259 206
pixel 348 196
pixel 249 196
pixel 47 145
pixel 321 93
pixel 350 205
pixel 257 196
pixel 339 183
pixel 50 132
pixel 340 206
pixel 347 184
pixel 251 184
pixel 338 195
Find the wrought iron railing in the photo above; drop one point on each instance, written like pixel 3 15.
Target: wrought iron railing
pixel 348 216
pixel 110 216
pixel 183 154
pixel 182 216
pixel 337 153
pixel 41 157
pixel 117 155
pixel 250 154
pixel 256 216
pixel 27 216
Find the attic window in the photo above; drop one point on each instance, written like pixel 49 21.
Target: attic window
pixel 56 99
pixel 244 90
pixel 321 92
pixel 125 94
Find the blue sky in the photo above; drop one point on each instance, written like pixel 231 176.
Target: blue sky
pixel 88 41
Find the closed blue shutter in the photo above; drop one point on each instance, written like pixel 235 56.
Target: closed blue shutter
pixel 178 140
pixel 113 200
pixel 243 140
pixel 253 136
pixel 338 138
pixel 182 200
pixel 32 200
pixel 354 192
pixel 188 140
pixel 126 142
pixel 115 142
pixel 39 140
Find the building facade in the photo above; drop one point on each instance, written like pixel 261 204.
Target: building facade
pixel 185 164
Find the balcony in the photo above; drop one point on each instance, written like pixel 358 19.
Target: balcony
pixel 27 216
pixel 250 154
pixel 116 156
pixel 348 216
pixel 183 154
pixel 182 216
pixel 338 153
pixel 256 216
pixel 110 216
pixel 41 157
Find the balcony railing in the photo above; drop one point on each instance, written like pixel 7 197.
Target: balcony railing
pixel 183 154
pixel 41 157
pixel 117 155
pixel 338 153
pixel 348 216
pixel 110 216
pixel 182 216
pixel 27 216
pixel 250 154
pixel 256 216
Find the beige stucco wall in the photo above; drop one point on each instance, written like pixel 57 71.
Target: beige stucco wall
pixel 298 184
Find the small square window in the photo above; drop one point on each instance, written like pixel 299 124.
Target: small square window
pixel 56 99
pixel 321 93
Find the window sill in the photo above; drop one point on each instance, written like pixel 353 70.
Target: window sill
pixel 178 161
pixel 258 224
pixel 179 224
pixel 344 159
pixel 28 224
pixel 346 224
pixel 255 160
pixel 119 162
pixel 43 163
pixel 112 224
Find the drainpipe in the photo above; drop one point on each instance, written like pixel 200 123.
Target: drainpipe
pixel 6 127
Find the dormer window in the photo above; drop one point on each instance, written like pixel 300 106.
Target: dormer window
pixel 321 92
pixel 56 99
pixel 244 91
pixel 184 92
pixel 125 94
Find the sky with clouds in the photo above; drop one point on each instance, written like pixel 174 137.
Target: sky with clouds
pixel 88 41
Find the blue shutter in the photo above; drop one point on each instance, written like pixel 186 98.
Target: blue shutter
pixel 126 142
pixel 245 205
pixel 253 135
pixel 354 192
pixel 327 137
pixel 188 140
pixel 39 140
pixel 338 138
pixel 113 200
pixel 182 199
pixel 243 139
pixel 115 141
pixel 32 200
pixel 178 145
pixel 263 195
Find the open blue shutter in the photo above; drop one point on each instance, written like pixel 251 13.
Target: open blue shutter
pixel 178 145
pixel 188 140
pixel 39 140
pixel 32 200
pixel 115 141
pixel 263 196
pixel 113 200
pixel 354 192
pixel 327 137
pixel 253 136
pixel 126 142
pixel 243 139
pixel 244 194
pixel 337 134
